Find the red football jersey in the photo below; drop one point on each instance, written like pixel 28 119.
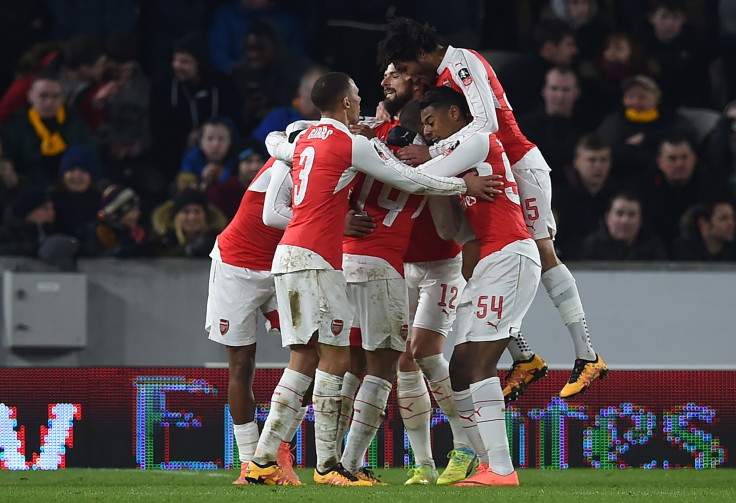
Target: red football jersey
pixel 425 245
pixel 469 73
pixel 247 241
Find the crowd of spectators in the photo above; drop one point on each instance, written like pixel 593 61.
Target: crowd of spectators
pixel 132 129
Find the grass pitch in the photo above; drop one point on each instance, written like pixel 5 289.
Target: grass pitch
pixel 543 486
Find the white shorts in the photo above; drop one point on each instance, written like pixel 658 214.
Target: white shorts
pixel 535 192
pixel 381 313
pixel 235 294
pixel 313 300
pixel 434 293
pixel 496 297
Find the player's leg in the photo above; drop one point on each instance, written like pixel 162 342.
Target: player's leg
pixel 382 308
pixel 335 319
pixel 286 406
pixel 368 410
pixel 412 395
pixel 415 408
pixel 535 190
pixel 439 295
pixel 231 321
pixel 241 367
pixel 494 303
pixel 288 397
pixel 561 288
pixel 350 384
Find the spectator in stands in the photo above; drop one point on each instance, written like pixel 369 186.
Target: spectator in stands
pixel 678 182
pixel 227 195
pixel 267 76
pixel 554 44
pixel 32 61
pixel 553 126
pixel 125 131
pixel 721 147
pixel 622 57
pixel 28 221
pixel 76 199
pixel 589 22
pixel 212 159
pixel 81 64
pixel 188 228
pixel 582 202
pixel 118 231
pixel 707 233
pixel 301 108
pixel 680 52
pixel 621 236
pixel 192 92
pixel 635 131
pixel 29 230
pixel 232 19
pixel 36 137
pixel 10 183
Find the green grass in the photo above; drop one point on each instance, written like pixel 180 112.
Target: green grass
pixel 544 486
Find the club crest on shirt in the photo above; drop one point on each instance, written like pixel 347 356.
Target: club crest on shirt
pixel 451 148
pixel 336 326
pixel 464 75
pixel 224 326
pixel 404 331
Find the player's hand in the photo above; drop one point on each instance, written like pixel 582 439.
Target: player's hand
pixel 471 255
pixel 414 154
pixel 362 129
pixel 381 113
pixel 483 187
pixel 358 226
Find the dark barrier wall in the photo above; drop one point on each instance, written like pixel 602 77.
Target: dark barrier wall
pixel 172 418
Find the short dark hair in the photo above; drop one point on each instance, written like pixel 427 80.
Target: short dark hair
pixel 405 39
pixel 329 89
pixel 592 141
pixel 626 195
pixel 551 30
pixel 675 139
pixel 81 50
pixel 445 97
pixel 670 5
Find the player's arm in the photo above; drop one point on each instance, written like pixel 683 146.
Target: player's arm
pixel 281 144
pixel 366 158
pixel 482 187
pixel 459 157
pixel 449 219
pixel 277 209
pixel 480 98
pixel 278 146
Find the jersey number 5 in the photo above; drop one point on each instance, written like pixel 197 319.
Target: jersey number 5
pixel 306 160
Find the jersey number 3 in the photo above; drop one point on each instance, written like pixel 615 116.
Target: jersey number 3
pixel 306 160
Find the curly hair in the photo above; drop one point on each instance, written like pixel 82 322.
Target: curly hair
pixel 405 39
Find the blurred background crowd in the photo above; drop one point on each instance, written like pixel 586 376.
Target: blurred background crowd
pixel 131 128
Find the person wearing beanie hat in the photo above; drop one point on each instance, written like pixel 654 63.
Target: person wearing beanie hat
pixel 77 157
pixel 191 225
pixel 76 198
pixel 118 232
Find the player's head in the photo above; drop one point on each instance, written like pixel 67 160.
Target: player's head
pixel 398 89
pixel 336 95
pixel 444 112
pixel 407 45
